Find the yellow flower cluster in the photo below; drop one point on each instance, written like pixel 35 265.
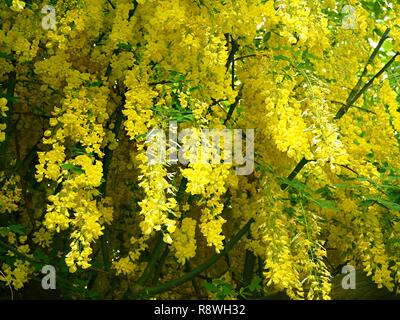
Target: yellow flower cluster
pixel 282 119
pixel 209 181
pixel 17 273
pixel 211 228
pixel 137 107
pixel 10 193
pixel 294 255
pixel 80 120
pixel 122 28
pixel 156 207
pixel 184 240
pixel 17 5
pixel 129 265
pixel 3 110
pixel 50 162
pixel 326 145
pixel 43 237
pixel 389 98
pixel 17 276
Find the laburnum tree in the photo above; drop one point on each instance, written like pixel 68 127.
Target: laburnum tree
pixel 83 82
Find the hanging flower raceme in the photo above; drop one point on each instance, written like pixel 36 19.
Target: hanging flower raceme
pixel 80 120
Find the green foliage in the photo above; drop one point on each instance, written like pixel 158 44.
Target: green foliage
pixel 72 168
pixel 223 290
pixel 15 228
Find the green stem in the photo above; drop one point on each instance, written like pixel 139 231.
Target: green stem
pixel 157 272
pixel 158 249
pixel 181 190
pixel 103 188
pixel 111 4
pixel 231 61
pixel 345 108
pixel 195 284
pixel 160 245
pixel 233 106
pixel 249 264
pixel 295 171
pixel 369 62
pixel 260 267
pixel 195 272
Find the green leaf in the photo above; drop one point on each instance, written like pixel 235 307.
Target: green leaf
pixel 3 231
pixel 301 219
pixel 290 211
pixel 210 286
pixel 388 46
pixel 124 46
pixel 388 204
pixel 97 83
pixel 11 99
pixel 93 295
pixel 366 203
pixel 40 255
pixel 37 267
pixel 7 56
pixel 141 137
pixel 15 228
pixel 72 168
pixel 266 36
pixel 325 192
pixel 282 57
pixel 75 151
pixel 326 204
pixel 295 184
pixel 255 284
pixel 18 229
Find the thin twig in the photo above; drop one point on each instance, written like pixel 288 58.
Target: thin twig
pixel 356 107
pixel 111 4
pixel 369 62
pixel 251 56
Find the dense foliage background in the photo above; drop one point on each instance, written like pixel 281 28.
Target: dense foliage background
pixel 83 81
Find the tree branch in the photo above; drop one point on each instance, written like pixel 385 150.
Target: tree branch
pixel 346 107
pixel 352 98
pixel 195 272
pixel 370 60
